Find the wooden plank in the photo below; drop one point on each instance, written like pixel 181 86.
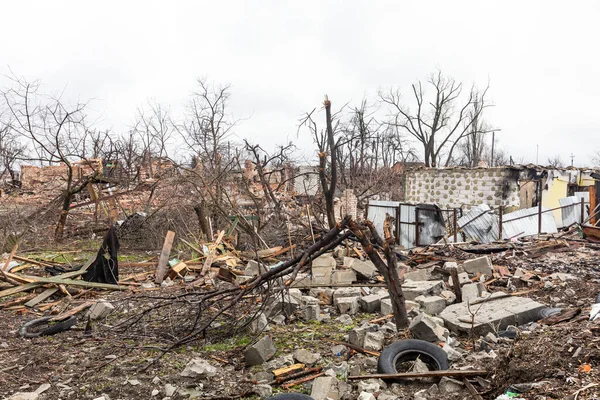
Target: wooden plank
pixel 430 374
pixel 474 393
pixel 29 286
pixel 73 282
pixel 288 370
pixel 211 255
pixel 161 270
pixel 176 269
pixel 73 311
pixel 41 297
pixel 36 262
pixel 10 257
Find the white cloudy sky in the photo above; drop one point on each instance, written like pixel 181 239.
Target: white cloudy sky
pixel 281 57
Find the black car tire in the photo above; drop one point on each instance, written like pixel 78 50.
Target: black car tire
pixel 410 349
pixel 28 331
pixel 290 396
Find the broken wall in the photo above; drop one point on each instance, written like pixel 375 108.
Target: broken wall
pixel 461 187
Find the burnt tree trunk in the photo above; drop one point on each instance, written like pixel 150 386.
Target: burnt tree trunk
pixel 204 230
pixel 389 273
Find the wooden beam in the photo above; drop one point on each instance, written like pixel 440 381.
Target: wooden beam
pixel 10 257
pixel 211 255
pixel 161 270
pixel 77 282
pixel 73 311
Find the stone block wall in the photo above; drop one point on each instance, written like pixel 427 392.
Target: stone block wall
pixel 462 187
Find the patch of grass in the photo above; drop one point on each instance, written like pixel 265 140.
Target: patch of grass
pixel 229 344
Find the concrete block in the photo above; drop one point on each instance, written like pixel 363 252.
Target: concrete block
pixel 321 275
pixel 312 312
pixel 347 305
pixel 426 328
pixel 325 260
pixel 340 252
pixel 493 313
pixel 260 351
pixel 348 261
pixel 304 356
pixel 309 300
pixel 480 264
pixel 357 335
pixel 473 291
pixel 259 324
pixel 242 279
pixel 345 276
pixel 287 306
pixel 324 295
pixel 449 296
pixel 254 268
pixel 370 303
pixel 346 292
pixel 374 341
pixel 198 368
pixel 386 307
pixel 101 310
pixel 324 387
pixel 449 385
pixel 431 305
pixel 364 269
pixel 414 289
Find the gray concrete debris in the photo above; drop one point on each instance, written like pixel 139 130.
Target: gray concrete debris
pixel 370 303
pixel 169 390
pixel 312 313
pixel 259 324
pixel 338 350
pixel 239 279
pixel 261 351
pixel 364 269
pixel 155 392
pixel 346 292
pixel 420 395
pixel 414 289
pixel 309 300
pixel 321 275
pixel 387 396
pixel 340 252
pixel 254 268
pixel 389 328
pixel 366 396
pixel 491 338
pixel 101 310
pixel 369 385
pixel 449 296
pixel 448 265
pixel 496 312
pixel 374 341
pixel 345 319
pixel 345 277
pixel 426 328
pixel 263 376
pixel 263 390
pixel 419 366
pixel 385 307
pixel 480 264
pixel 304 356
pixel 357 335
pixel 24 396
pixel 453 354
pixel 325 295
pixel 324 387
pixel 431 305
pixel 326 260
pixel 279 362
pixel 563 276
pixel 198 368
pixel 278 319
pixel 286 305
pixel 474 291
pixel 347 305
pixel 449 385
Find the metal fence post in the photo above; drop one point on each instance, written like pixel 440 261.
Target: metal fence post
pixel 500 215
pixel 455 225
pixel 416 227
pixel 582 209
pixel 539 207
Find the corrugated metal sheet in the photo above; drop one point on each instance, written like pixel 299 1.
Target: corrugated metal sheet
pixel 528 225
pixel 378 210
pixel 407 226
pixel 483 229
pixel 571 213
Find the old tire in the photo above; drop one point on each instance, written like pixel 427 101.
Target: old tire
pixel 35 327
pixel 548 311
pixel 290 396
pixel 408 350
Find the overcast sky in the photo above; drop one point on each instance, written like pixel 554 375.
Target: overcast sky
pixel 281 57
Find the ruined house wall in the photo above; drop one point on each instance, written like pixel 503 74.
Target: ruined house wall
pixel 460 187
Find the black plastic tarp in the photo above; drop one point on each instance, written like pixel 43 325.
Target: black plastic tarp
pixel 105 268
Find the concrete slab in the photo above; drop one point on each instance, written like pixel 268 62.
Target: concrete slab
pixel 495 313
pixel 414 289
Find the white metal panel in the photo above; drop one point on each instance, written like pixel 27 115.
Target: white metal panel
pixel 407 226
pixel 377 212
pixel 528 225
pixel 482 228
pixel 571 211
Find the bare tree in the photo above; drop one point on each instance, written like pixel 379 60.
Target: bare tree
pixel 11 150
pixel 441 122
pixel 555 161
pixel 328 146
pixel 154 129
pixel 54 131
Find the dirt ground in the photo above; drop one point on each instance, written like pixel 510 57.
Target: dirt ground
pixel 560 359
